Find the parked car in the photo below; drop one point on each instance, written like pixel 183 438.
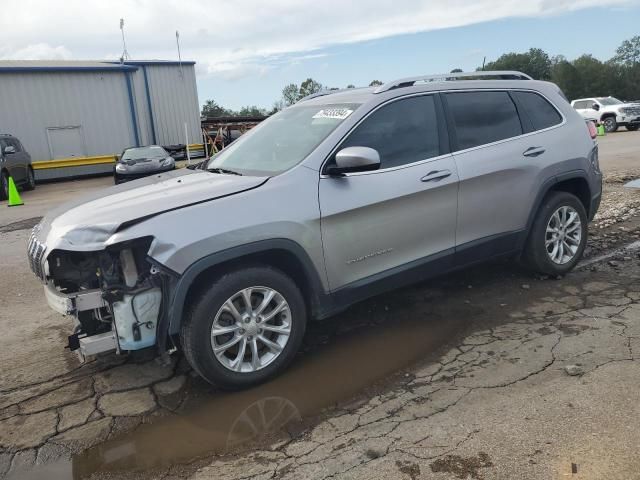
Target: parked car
pixel 610 111
pixel 138 162
pixel 15 162
pixel 340 197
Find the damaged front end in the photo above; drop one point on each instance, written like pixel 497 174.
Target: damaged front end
pixel 118 296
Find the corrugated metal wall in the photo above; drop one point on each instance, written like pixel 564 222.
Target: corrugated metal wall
pixel 38 106
pixel 34 103
pixel 174 99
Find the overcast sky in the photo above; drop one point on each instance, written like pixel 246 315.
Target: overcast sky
pixel 264 44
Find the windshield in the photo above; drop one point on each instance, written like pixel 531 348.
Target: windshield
pixel 609 101
pixel 282 141
pixel 152 152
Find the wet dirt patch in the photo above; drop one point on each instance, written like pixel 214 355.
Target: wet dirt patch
pixel 228 422
pixel 20 225
pixel 462 467
pixel 409 468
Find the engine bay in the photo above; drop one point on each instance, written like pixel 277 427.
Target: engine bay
pixel 131 290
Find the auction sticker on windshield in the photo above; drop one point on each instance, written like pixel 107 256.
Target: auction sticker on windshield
pixel 337 113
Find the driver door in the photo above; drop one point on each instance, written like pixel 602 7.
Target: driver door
pixel 392 221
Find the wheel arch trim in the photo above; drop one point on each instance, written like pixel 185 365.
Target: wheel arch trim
pixel 546 187
pixel 184 283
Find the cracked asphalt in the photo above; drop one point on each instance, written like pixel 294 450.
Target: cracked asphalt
pixel 491 373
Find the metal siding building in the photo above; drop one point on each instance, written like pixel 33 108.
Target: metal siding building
pixel 73 117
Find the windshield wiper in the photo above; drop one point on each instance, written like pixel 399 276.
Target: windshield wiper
pixel 223 170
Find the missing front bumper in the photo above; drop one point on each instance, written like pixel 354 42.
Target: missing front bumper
pixel 69 304
pixel 86 346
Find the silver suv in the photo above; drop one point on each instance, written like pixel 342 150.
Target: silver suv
pixel 338 198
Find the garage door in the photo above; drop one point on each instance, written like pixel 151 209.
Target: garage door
pixel 66 142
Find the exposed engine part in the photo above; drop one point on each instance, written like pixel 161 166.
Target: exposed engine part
pixel 129 269
pixel 136 319
pixel 132 292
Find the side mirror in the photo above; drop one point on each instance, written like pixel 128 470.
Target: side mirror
pixel 9 149
pixel 596 107
pixel 355 159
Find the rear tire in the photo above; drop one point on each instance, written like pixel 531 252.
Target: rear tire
pixel 31 180
pixel 558 235
pixel 610 124
pixel 632 128
pixel 4 186
pixel 233 367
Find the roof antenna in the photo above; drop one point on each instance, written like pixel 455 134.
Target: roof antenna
pixel 125 54
pixel 179 56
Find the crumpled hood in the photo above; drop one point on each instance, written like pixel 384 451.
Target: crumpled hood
pixel 85 224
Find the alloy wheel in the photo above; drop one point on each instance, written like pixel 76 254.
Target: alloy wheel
pixel 563 235
pixel 609 124
pixel 251 329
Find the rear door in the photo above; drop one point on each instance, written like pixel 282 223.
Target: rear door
pixel 498 172
pixel 387 221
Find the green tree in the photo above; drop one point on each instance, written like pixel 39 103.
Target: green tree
pixel 351 85
pixel 567 77
pixel 251 111
pixel 309 87
pixel 628 53
pixel 595 76
pixel 375 83
pixel 456 70
pixel 290 94
pixel 212 109
pixel 535 62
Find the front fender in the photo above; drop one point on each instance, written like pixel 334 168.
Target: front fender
pixel 317 297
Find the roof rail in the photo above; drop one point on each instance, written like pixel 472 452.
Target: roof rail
pixel 444 77
pixel 321 93
pixel 330 91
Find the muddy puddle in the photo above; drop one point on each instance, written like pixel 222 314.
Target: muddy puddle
pixel 222 422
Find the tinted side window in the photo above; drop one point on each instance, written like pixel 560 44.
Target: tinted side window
pixel 14 143
pixel 541 113
pixel 580 105
pixel 402 132
pixel 483 117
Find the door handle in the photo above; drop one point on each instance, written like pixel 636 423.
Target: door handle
pixel 533 151
pixel 436 175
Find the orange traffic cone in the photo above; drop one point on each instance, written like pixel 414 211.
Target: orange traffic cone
pixel 14 196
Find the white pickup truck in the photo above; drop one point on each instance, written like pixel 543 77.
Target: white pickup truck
pixel 610 111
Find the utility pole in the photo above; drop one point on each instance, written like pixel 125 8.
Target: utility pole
pixel 125 54
pixel 179 55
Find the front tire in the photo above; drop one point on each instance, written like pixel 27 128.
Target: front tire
pixel 244 328
pixel 558 236
pixel 4 186
pixel 610 124
pixel 632 128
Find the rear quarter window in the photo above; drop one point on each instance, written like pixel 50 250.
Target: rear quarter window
pixel 540 112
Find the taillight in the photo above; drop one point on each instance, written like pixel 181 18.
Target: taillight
pixel 593 131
